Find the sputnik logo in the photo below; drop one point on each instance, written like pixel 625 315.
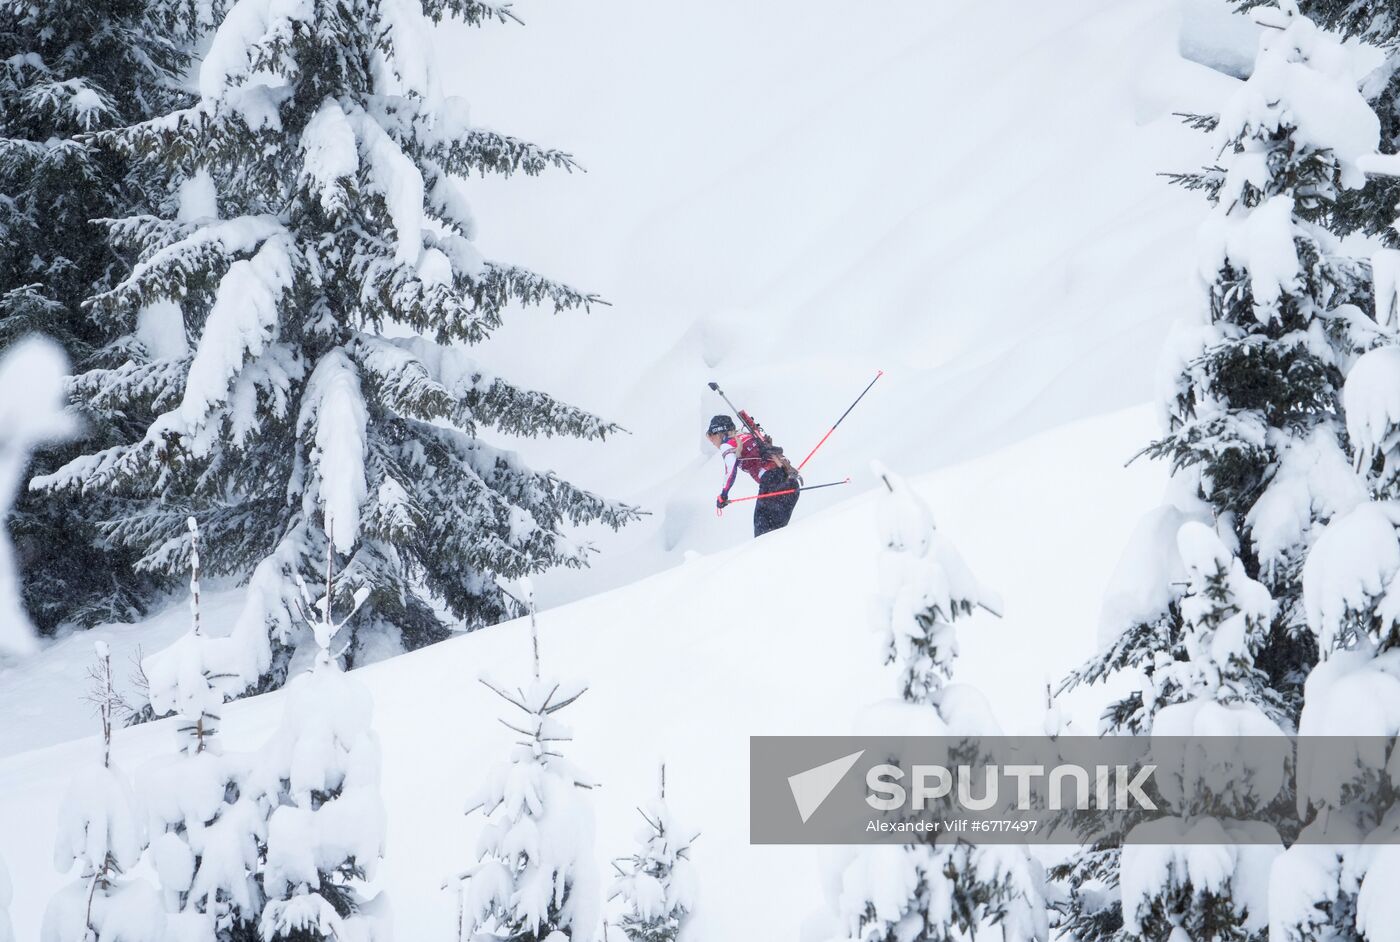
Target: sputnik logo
pixel 814 786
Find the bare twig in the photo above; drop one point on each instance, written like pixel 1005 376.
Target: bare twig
pixel 103 695
pixel 534 627
pixel 502 694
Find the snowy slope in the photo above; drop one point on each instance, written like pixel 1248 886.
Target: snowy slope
pixel 768 638
pixel 783 196
pixel 787 196
pixel 961 193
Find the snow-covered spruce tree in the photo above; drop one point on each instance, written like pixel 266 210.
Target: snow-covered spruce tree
pixel 945 890
pixel 1370 208
pixel 1252 414
pixel 1225 619
pixel 1202 871
pixel 1195 871
pixel 1252 408
pixel 535 879
pixel 1345 889
pixel 68 69
pixel 319 779
pixel 209 824
pixel 100 830
pixel 322 263
pixel 657 883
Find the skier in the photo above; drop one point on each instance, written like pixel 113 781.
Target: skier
pixel 765 464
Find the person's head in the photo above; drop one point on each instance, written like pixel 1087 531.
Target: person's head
pixel 721 427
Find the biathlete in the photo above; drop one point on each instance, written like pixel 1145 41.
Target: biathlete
pixel 764 462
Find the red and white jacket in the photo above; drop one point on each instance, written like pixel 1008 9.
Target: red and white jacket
pixel 741 451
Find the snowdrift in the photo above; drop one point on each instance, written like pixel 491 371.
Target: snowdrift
pixel 788 196
pixel 769 638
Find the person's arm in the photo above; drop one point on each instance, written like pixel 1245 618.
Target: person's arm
pixel 731 464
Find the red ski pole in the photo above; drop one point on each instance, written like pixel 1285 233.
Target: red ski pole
pixel 840 420
pixel 719 511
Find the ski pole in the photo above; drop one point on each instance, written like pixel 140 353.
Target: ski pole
pixel 838 421
pixel 719 511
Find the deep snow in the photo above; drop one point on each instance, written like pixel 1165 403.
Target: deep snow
pixel 788 196
pixel 783 196
pixel 772 637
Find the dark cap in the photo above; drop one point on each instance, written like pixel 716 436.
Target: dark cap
pixel 720 425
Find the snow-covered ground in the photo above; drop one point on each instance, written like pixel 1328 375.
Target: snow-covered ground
pixel 785 197
pixel 788 196
pixel 769 638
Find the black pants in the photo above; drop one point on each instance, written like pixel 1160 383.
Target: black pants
pixel 773 513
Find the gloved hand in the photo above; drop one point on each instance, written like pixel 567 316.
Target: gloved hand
pixel 722 501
